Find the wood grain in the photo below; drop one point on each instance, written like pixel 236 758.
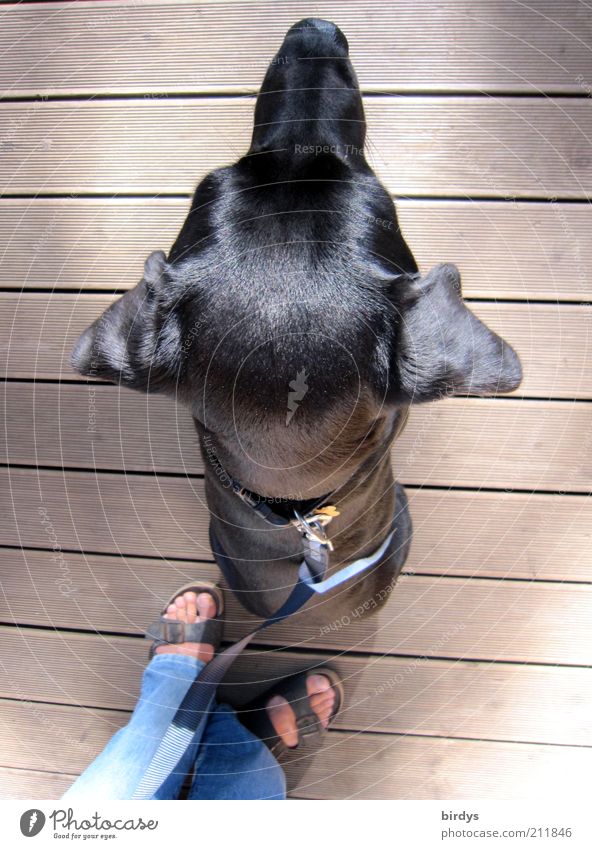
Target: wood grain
pixel 54 738
pixel 139 47
pixel 375 767
pixel 475 680
pixel 517 250
pixel 367 767
pixel 370 766
pixel 32 784
pixel 419 146
pixel 460 699
pixel 466 533
pixel 466 618
pixel 469 442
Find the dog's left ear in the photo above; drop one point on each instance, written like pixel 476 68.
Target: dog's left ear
pixel 131 342
pixel 443 349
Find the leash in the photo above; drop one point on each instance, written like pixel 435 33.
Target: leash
pixel 193 711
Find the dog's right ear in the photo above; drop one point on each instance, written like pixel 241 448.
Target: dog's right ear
pixel 132 342
pixel 442 348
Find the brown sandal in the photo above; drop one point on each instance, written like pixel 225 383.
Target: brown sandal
pixel 311 731
pixel 170 631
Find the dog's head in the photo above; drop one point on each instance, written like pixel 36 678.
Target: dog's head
pixel 289 315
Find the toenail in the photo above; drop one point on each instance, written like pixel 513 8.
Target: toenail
pixel 320 683
pixel 205 600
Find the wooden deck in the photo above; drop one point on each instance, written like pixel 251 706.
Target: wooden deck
pixel 475 681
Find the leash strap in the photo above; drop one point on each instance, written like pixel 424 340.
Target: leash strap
pixel 193 711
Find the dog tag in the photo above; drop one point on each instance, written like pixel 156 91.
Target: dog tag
pixel 325 514
pixel 316 554
pixel 316 544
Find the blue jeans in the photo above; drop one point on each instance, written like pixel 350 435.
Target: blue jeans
pixel 226 761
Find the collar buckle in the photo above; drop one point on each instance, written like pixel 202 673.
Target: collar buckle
pixel 245 495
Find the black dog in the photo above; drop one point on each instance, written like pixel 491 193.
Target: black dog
pixel 291 319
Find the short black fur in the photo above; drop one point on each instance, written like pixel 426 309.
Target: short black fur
pixel 291 270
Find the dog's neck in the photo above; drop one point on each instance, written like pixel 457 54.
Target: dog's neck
pixel 346 501
pixel 266 559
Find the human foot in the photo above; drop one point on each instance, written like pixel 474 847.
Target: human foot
pixel 190 607
pixel 322 701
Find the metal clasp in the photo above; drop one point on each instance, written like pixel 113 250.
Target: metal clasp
pixel 313 528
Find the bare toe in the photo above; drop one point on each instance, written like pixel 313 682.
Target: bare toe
pixel 322 697
pixel 322 700
pixel 322 705
pixel 283 720
pixel 181 612
pixel 190 607
pixel 206 606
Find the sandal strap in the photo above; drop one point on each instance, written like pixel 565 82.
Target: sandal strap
pixel 257 720
pixel 311 731
pixel 171 631
pixel 310 728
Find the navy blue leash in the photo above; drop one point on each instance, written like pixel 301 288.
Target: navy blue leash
pixel 193 711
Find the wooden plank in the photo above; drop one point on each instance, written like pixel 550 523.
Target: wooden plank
pixel 38 332
pixel 367 766
pixel 500 701
pixel 353 765
pixel 54 738
pixel 435 146
pixel 461 533
pixel 137 47
pixel 469 619
pixel 84 242
pixel 108 513
pixel 505 250
pixel 470 442
pixel 506 535
pixel 554 344
pixel 32 784
pixel 77 425
pixel 465 533
pixel 492 443
pixel 518 250
pixel 438 617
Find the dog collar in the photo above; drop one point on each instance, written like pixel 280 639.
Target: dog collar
pixel 310 523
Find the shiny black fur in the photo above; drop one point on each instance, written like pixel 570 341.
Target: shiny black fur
pixel 291 263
